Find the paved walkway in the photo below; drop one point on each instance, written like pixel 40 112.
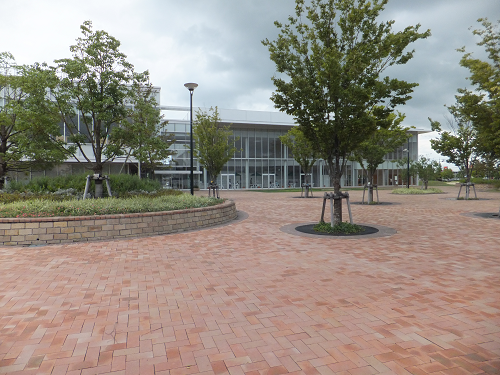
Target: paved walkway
pixel 250 299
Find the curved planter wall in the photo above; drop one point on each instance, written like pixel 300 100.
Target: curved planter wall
pixel 52 230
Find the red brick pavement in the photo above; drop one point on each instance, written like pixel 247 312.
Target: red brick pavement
pixel 250 299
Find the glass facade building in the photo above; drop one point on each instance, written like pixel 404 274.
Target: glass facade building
pixel 261 160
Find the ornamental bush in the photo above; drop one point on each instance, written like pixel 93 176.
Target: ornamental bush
pixel 104 206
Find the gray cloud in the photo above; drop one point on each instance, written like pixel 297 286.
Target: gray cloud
pixel 217 44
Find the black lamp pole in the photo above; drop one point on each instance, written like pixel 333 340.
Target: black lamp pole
pixel 191 87
pixel 408 179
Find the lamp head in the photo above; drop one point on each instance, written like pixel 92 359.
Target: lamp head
pixel 191 86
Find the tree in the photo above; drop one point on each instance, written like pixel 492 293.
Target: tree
pixel 370 153
pixel 302 150
pixel 94 96
pixel 459 146
pixel 447 174
pixel 403 169
pixel 482 106
pixel 29 123
pixel 144 133
pixel 427 170
pixel 330 68
pixel 214 144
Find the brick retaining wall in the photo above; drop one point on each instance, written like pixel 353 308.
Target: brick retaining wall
pixel 52 230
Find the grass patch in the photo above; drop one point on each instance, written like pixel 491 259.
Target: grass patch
pixel 105 206
pixel 343 227
pixel 411 191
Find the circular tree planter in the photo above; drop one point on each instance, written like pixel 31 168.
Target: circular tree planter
pixel 372 231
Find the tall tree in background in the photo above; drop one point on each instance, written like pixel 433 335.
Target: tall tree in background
pixel 482 106
pixel 29 121
pixel 145 131
pixel 460 145
pixel 330 58
pixel 214 143
pixel 95 87
pixel 302 150
pixel 387 138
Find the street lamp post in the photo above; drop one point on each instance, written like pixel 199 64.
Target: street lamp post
pixel 191 86
pixel 408 165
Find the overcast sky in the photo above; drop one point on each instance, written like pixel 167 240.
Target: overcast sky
pixel 217 44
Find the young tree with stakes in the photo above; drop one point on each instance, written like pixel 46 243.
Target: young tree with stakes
pixel 214 144
pixel 329 59
pixel 302 150
pixel 96 88
pixel 370 153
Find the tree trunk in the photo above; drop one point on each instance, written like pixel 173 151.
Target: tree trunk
pixel 426 183
pixel 370 186
pixel 335 174
pixel 98 183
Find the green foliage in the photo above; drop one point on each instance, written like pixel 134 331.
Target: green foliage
pixel 330 58
pixel 144 131
pixel 99 87
pixel 29 126
pixel 482 106
pixel 214 145
pixel 302 150
pixel 341 227
pixel 403 168
pixel 389 136
pixel 121 184
pixel 106 206
pixel 460 146
pixel 427 169
pixel 411 191
pixel 447 174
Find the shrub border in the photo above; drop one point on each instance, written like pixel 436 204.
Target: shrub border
pixel 66 229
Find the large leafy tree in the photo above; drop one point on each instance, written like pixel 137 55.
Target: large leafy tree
pixel 482 106
pixel 387 138
pixel 145 130
pixel 94 96
pixel 214 143
pixel 29 122
pixel 460 145
pixel 330 58
pixel 302 149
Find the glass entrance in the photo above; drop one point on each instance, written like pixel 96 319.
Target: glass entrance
pixel 269 180
pixel 228 181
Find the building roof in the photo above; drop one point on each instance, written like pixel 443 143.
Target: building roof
pixel 243 117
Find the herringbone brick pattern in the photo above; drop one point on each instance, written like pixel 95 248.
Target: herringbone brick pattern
pixel 247 298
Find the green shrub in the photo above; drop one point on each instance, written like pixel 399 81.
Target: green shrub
pixel 343 227
pixel 120 184
pixel 90 207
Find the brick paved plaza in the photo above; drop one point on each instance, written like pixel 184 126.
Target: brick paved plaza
pixel 249 298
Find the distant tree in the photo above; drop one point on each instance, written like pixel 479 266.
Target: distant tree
pixel 330 58
pixel 302 150
pixel 403 169
pixel 427 170
pixel 214 143
pixel 447 174
pixel 482 106
pixel 29 122
pixel 389 136
pixel 94 96
pixel 459 146
pixel 145 133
